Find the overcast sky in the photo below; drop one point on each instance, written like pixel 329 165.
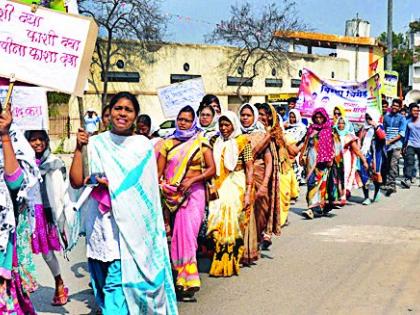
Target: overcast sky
pixel 198 17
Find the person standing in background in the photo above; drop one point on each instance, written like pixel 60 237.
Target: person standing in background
pixel 395 125
pixel 411 146
pixel 91 121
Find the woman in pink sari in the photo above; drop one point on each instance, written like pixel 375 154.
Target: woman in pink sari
pixel 184 164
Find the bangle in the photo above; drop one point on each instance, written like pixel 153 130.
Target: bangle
pixel 5 140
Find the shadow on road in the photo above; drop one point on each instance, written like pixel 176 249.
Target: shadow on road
pixel 42 298
pixel 76 269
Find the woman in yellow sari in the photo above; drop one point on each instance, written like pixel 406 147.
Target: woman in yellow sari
pixel 229 214
pixel 184 164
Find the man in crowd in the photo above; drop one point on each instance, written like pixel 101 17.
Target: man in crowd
pixel 411 146
pixel 395 125
pixel 91 121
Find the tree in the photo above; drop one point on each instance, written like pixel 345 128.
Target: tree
pixel 126 30
pixel 402 56
pixel 253 34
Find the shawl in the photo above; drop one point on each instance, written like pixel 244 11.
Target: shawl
pixel 52 188
pixel 183 135
pixel 27 192
pixel 297 130
pixel 369 130
pixel 228 147
pixel 281 164
pixel 212 129
pixel 325 152
pixel 129 164
pixel 256 125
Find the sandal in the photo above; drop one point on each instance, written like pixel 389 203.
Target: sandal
pixel 61 299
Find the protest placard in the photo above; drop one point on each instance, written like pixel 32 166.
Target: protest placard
pixel 390 84
pixel 355 97
pixel 29 107
pixel 69 6
pixel 176 96
pixel 46 48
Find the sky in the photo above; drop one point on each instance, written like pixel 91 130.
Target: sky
pixel 190 20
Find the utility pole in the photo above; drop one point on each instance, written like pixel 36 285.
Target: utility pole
pixel 389 35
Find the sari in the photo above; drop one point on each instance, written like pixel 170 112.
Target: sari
pixel 228 219
pixel 284 186
pixel 320 151
pixel 129 165
pixel 17 221
pixel 186 221
pixel 336 180
pixel 252 237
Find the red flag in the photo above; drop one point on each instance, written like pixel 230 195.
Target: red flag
pixel 374 65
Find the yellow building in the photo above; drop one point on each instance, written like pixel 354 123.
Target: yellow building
pixel 176 62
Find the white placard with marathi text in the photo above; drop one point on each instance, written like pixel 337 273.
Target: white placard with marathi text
pixel 178 95
pixel 29 107
pixel 46 48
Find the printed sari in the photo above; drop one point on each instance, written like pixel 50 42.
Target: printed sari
pixel 228 219
pixel 336 180
pixel 186 221
pixel 321 151
pixel 252 236
pixel 17 222
pixel 317 177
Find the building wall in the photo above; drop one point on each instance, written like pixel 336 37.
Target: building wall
pixel 211 63
pixel 414 75
pixel 358 58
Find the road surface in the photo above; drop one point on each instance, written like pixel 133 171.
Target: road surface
pixel 363 260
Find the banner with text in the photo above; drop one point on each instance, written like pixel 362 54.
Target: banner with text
pixel 176 96
pixel 390 84
pixel 69 6
pixel 46 48
pixel 355 97
pixel 29 107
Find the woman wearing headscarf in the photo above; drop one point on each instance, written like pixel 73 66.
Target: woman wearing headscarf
pixel 350 153
pixel 263 167
pixel 18 185
pixel 208 120
pixel 50 209
pixel 373 139
pixel 317 156
pixel 229 214
pixel 282 185
pixel 340 111
pixel 145 127
pixel 125 235
pixel 296 129
pixel 184 165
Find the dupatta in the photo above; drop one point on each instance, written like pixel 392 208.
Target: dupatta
pixel 129 165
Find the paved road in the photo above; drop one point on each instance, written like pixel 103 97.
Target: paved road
pixel 364 260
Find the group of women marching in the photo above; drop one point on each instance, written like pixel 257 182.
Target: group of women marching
pixel 222 183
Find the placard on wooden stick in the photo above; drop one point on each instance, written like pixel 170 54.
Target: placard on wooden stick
pixel 46 48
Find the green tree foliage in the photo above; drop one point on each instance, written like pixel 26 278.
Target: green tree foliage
pixel 402 55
